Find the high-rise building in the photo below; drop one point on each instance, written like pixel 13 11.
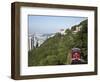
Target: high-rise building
pixel 36 40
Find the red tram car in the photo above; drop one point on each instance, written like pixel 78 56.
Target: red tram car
pixel 76 54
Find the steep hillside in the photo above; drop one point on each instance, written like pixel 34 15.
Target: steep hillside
pixel 55 50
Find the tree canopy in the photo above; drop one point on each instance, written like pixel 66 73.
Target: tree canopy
pixel 55 50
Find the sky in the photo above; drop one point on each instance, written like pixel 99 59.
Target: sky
pixel 51 24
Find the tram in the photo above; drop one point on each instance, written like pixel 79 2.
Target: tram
pixel 76 54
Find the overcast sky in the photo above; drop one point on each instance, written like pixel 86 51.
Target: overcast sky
pixel 51 24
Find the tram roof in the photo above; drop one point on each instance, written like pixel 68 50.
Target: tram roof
pixel 74 49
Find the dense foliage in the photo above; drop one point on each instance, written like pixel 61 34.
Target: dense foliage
pixel 57 50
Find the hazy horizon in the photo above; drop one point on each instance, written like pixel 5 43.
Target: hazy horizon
pixel 51 24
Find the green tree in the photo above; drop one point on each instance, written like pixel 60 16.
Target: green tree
pixel 57 49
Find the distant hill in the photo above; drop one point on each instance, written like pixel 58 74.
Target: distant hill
pixel 55 50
